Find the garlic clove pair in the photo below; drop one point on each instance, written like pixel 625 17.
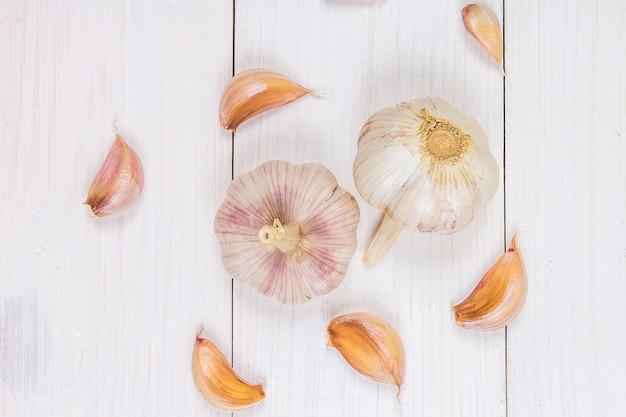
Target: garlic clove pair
pixel 216 380
pixel 257 90
pixel 370 345
pixel 287 230
pixel 483 24
pixel 119 183
pixel 426 166
pixel 499 296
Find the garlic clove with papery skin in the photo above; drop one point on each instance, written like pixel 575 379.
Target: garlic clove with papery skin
pixel 119 182
pixel 217 381
pixel 287 230
pixel 498 297
pixel 370 345
pixel 483 24
pixel 426 166
pixel 257 90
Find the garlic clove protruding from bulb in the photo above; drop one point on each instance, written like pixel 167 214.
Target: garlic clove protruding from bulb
pixel 118 184
pixel 426 166
pixel 499 296
pixel 216 380
pixel 370 345
pixel 384 238
pixel 254 91
pixel 483 24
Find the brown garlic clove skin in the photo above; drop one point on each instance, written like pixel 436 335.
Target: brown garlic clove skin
pixel 370 345
pixel 119 183
pixel 483 24
pixel 499 296
pixel 255 91
pixel 216 380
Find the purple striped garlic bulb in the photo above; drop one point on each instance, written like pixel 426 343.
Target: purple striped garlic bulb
pixel 288 231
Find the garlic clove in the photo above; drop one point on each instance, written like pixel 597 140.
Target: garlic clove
pixel 426 166
pixel 216 380
pixel 483 24
pixel 257 90
pixel 499 296
pixel 370 345
pixel 384 238
pixel 119 183
pixel 287 230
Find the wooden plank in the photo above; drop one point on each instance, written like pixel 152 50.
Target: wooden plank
pixel 369 57
pixel 98 316
pixel 566 178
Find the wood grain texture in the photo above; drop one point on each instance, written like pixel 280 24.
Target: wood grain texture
pixel 371 57
pixel 566 177
pixel 97 316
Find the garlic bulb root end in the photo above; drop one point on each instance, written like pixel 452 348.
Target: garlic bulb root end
pixel 286 238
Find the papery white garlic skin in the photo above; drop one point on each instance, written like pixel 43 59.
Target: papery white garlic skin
pixel 498 297
pixel 425 165
pixel 254 91
pixel 483 24
pixel 119 182
pixel 287 230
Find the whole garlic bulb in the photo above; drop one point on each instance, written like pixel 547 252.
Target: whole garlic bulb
pixel 287 230
pixel 426 166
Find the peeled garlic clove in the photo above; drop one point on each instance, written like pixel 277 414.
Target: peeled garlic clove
pixel 118 184
pixel 370 345
pixel 255 91
pixel 499 296
pixel 484 26
pixel 217 381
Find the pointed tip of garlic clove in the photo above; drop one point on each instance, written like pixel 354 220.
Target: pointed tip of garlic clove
pixel 119 182
pixel 370 345
pixel 385 236
pixel 483 24
pixel 498 297
pixel 217 381
pixel 255 91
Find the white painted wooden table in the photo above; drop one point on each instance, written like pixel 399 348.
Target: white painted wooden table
pixel 98 316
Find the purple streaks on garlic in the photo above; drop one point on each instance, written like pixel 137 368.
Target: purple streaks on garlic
pixel 288 231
